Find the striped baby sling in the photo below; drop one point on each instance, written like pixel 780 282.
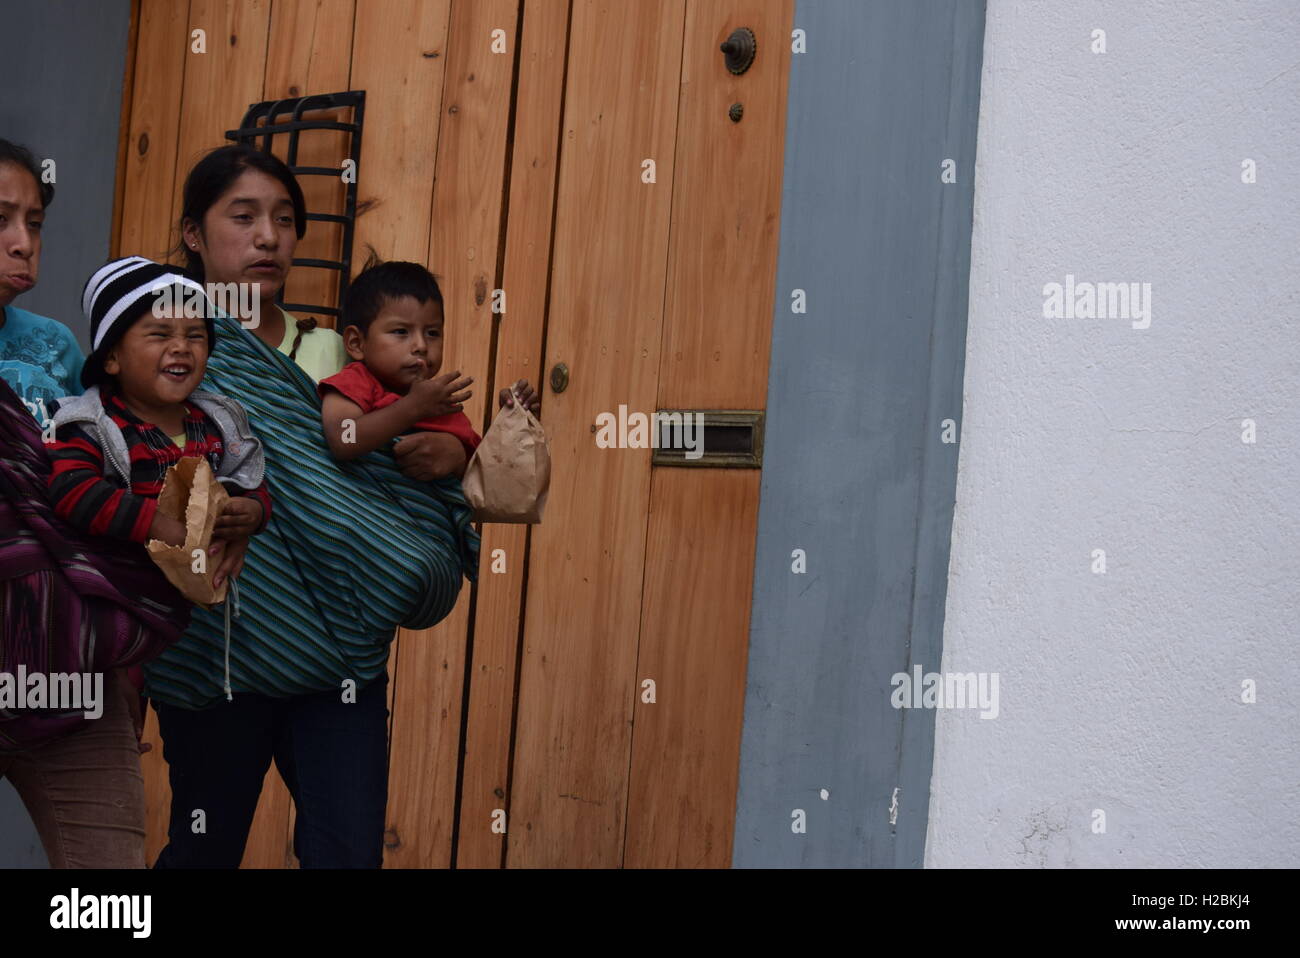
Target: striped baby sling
pixel 353 550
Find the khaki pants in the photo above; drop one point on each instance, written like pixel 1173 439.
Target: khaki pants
pixel 84 791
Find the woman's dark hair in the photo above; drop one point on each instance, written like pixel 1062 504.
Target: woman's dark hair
pixel 216 173
pixel 379 281
pixel 23 158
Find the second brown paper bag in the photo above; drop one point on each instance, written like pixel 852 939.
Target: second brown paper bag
pixel 510 473
pixel 191 494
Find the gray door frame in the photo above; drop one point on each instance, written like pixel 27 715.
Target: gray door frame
pixel 857 473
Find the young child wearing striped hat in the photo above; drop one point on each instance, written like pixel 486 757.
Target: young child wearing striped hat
pixel 142 411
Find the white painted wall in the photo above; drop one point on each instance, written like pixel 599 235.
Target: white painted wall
pixel 1121 691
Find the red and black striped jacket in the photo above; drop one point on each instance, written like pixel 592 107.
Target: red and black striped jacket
pixel 82 495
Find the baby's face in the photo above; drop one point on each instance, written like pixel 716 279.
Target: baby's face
pixel 404 343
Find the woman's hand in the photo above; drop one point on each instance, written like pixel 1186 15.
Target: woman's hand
pixel 239 518
pixel 425 456
pixel 229 556
pixel 530 400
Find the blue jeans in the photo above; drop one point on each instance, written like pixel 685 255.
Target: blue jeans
pixel 332 755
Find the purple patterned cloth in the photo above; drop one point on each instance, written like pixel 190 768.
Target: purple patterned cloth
pixel 69 602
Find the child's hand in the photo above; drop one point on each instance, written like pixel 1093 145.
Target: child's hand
pixel 166 529
pixel 239 518
pixel 530 400
pixel 441 395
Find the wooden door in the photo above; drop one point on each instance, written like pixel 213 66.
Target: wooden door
pixel 570 172
pixel 662 297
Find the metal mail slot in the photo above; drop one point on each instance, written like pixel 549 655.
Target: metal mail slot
pixel 709 438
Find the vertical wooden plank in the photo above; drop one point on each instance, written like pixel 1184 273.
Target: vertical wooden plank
pixel 310 52
pixel 535 145
pixel 578 675
pixel 464 237
pixel 124 130
pixel 703 523
pixel 465 228
pixel 157 791
pixel 270 831
pixel 726 208
pixel 162 45
pixel 694 634
pixel 310 47
pixel 399 57
pixel 221 83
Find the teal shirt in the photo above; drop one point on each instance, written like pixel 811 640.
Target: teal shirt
pixel 39 359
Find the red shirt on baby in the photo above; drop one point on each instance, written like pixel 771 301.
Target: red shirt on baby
pixel 359 384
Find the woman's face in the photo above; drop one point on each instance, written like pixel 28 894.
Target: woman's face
pixel 21 217
pixel 248 235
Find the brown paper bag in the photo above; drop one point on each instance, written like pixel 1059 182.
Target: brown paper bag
pixel 508 477
pixel 192 494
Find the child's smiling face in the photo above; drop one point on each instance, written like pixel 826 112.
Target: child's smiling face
pixel 160 360
pixel 402 345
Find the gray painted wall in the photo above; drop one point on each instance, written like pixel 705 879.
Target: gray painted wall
pixel 855 473
pixel 63 102
pixel 64 63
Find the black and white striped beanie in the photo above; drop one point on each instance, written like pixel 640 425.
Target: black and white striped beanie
pixel 118 294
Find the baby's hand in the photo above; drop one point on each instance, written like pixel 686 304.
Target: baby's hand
pixel 441 395
pixel 530 400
